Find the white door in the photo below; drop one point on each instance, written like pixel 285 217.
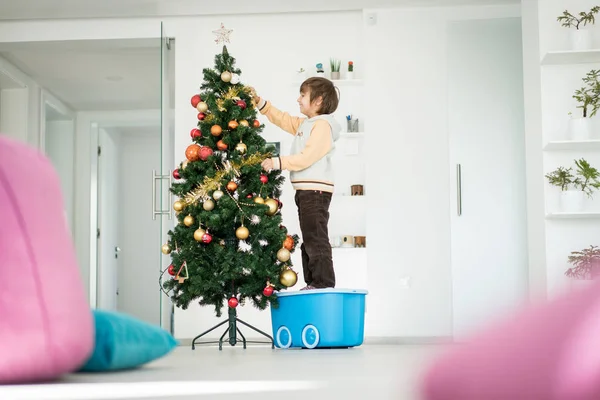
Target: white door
pixel 108 219
pixel 139 292
pixel 487 155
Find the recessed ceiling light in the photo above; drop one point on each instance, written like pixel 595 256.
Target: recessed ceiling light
pixel 114 78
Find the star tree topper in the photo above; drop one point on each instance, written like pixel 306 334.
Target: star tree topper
pixel 222 34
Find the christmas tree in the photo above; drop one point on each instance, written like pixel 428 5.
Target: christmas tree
pixel 230 244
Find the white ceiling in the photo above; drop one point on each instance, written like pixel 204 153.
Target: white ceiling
pixel 93 75
pixel 44 9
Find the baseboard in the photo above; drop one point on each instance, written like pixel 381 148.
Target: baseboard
pixel 373 340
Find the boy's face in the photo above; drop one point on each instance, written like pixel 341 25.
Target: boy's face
pixel 306 107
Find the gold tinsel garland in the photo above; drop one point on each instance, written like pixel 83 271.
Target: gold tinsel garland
pixel 213 183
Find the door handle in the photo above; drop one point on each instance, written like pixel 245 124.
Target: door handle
pixel 156 212
pixel 458 189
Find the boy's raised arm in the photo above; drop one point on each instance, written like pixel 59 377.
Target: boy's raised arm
pixel 280 118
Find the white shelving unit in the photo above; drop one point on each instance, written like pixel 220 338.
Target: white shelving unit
pixel 561 74
pixel 570 145
pixel 571 57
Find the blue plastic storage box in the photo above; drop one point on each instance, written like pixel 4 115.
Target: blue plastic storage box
pixel 319 318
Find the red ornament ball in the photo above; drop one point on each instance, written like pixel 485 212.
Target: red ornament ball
pixel 194 133
pixel 256 123
pixel 264 178
pixel 268 291
pixel 191 153
pixel 195 100
pixel 241 104
pixel 206 238
pixel 249 196
pixel 233 302
pixel 279 203
pixel 176 173
pixel 201 116
pixel 171 270
pixel 205 152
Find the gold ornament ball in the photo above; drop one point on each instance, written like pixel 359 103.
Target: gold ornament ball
pixel 259 200
pixel 244 123
pixel 217 194
pixel 198 233
pixel 242 233
pixel 273 206
pixel 188 220
pixel 226 76
pixel 166 249
pixel 241 148
pixel 288 278
pixel 202 107
pixel 178 206
pixel 283 255
pixel 208 205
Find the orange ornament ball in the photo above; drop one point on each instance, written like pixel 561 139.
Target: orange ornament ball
pixel 215 130
pixel 231 186
pixel 192 152
pixel 256 123
pixel 232 124
pixel 288 243
pixel 221 145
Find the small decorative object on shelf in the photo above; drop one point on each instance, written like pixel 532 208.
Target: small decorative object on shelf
pixel 301 74
pixel 320 70
pixel 588 100
pixel 360 241
pixel 356 190
pixel 586 264
pixel 347 241
pixel 352 124
pixel 575 188
pixel 335 68
pixel 581 39
pixel 350 73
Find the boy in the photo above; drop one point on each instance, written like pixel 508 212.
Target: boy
pixel 311 172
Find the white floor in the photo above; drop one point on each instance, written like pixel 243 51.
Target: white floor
pixel 367 372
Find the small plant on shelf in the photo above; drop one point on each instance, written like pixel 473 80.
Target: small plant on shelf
pixel 588 178
pixel 335 68
pixel 585 263
pixel 588 97
pixel 569 20
pixel 562 178
pixel 350 73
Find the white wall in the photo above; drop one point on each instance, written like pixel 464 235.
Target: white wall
pixel 13 113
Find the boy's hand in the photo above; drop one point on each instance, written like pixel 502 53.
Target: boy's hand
pixel 267 165
pixel 255 97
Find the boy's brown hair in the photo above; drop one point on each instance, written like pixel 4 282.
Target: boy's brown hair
pixel 324 88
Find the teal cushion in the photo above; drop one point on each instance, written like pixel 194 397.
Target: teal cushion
pixel 124 342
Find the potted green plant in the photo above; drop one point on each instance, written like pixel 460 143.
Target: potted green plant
pixel 350 73
pixel 585 264
pixel 575 187
pixel 588 100
pixel 335 68
pixel 581 39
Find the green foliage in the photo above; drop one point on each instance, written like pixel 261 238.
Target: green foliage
pixel 589 95
pixel 585 179
pixel 335 65
pixel 561 177
pixel 223 268
pixel 586 263
pixel 569 20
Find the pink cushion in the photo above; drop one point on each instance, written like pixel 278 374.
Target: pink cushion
pixel 548 351
pixel 46 327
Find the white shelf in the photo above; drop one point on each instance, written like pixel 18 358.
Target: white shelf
pixel 573 145
pixel 337 82
pixel 361 249
pixel 575 215
pixel 336 195
pixel 351 134
pixel 571 57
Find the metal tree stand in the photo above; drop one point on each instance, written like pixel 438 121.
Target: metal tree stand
pixel 233 332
